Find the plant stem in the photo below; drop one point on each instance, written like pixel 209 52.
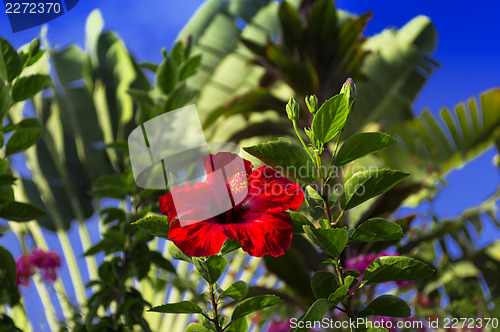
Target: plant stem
pixel 327 210
pixel 215 320
pixel 347 303
pixel 302 141
pixel 334 155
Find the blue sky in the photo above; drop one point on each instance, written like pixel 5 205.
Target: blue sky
pixel 468 50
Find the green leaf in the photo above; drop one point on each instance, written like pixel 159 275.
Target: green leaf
pixel 315 204
pixel 350 281
pixel 8 265
pixel 157 259
pixel 188 67
pixel 285 157
pixel 176 253
pixel 254 304
pixel 323 283
pixel 239 325
pixel 11 64
pixel 27 133
pixel 17 211
pixel 167 75
pixel 330 118
pixel 332 198
pixel 183 307
pixel 229 246
pixel 28 86
pixel 317 310
pixel 387 305
pixel 196 327
pixel 332 241
pixel 395 268
pixel 7 179
pixel 4 229
pixel 362 144
pixel 298 221
pixel 5 100
pixel 362 186
pixel 377 229
pixel 211 269
pixel 236 291
pixel 338 295
pixel 4 165
pixel 155 225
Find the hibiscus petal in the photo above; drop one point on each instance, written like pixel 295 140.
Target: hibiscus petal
pixel 270 189
pixel 200 239
pixel 262 234
pixel 207 200
pixel 222 159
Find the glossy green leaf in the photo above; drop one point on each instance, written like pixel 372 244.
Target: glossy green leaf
pixel 155 225
pixel 183 307
pixel 323 283
pixel 11 63
pixel 331 241
pixel 362 186
pixel 167 75
pixel 229 246
pixel 315 204
pixel 360 145
pixel 176 253
pixel 387 305
pixel 338 295
pixel 330 118
pixel 239 325
pixel 196 327
pixel 237 290
pixel 315 313
pixel 17 211
pixel 253 304
pixel 212 268
pixel 377 229
pixel 395 268
pixel 298 221
pixel 350 281
pixel 285 157
pixel 27 86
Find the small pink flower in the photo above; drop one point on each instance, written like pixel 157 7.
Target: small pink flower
pixel 279 326
pixel 362 261
pixel 38 259
pixel 25 269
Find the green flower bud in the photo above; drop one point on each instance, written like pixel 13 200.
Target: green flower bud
pixel 312 103
pixel 293 109
pixel 349 89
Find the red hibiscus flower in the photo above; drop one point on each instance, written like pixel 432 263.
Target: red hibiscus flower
pixel 254 214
